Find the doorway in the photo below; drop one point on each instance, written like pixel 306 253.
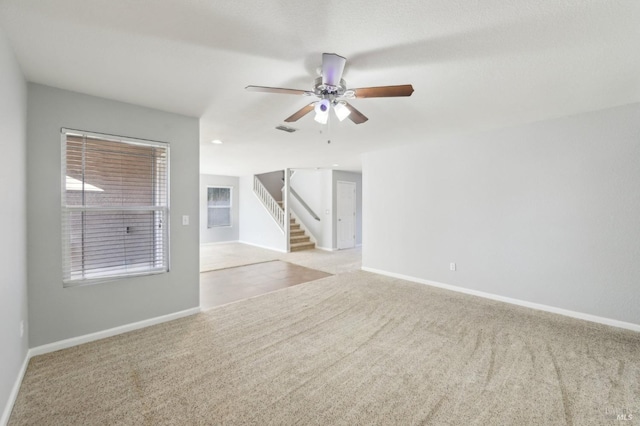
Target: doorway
pixel 346 214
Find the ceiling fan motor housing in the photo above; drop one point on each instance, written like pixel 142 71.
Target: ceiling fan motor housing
pixel 326 91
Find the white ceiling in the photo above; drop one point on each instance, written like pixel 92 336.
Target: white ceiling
pixel 474 66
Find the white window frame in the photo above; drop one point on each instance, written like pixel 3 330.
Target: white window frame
pixel 230 207
pixel 68 281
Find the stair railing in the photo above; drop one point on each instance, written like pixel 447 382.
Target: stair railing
pixel 303 204
pixel 269 202
pixel 299 198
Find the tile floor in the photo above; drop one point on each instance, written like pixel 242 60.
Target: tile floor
pixel 229 285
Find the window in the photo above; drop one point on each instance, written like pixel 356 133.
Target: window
pixel 115 207
pixel 218 206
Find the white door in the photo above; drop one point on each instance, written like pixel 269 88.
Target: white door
pixel 346 200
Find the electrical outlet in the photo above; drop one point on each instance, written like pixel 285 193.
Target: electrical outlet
pixel 452 266
pixel 185 220
pixel 22 328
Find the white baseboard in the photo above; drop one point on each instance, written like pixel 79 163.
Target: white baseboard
pixel 260 246
pixel 526 304
pixel 75 341
pixel 14 391
pixel 326 248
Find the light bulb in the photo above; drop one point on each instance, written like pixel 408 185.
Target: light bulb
pixel 322 106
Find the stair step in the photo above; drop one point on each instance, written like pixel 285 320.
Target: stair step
pixel 299 239
pixel 294 226
pixel 296 232
pixel 302 246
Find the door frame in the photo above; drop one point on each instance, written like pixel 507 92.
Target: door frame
pixel 354 206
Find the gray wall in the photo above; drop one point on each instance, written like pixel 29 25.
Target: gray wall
pixel 13 231
pixel 57 313
pixel 547 213
pixel 347 177
pixel 226 233
pixel 272 181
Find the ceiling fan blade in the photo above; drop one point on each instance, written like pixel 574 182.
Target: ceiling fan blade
pixel 355 116
pixel 384 91
pixel 300 113
pixel 332 68
pixel 280 90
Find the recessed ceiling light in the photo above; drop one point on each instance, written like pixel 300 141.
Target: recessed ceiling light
pixel 335 165
pixel 216 141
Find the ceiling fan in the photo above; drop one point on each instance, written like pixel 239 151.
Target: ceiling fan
pixel 332 92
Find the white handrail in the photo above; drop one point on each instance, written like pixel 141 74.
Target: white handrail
pixel 304 204
pixel 269 202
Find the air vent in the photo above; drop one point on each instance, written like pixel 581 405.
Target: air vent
pixel 286 129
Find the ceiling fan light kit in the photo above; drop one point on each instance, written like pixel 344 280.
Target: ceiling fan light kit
pixel 332 91
pixel 322 111
pixel 341 110
pixel 322 107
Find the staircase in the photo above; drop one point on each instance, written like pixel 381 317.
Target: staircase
pixel 298 239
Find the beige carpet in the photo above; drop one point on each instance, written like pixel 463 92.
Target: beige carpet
pixel 351 349
pixel 230 255
pixel 332 262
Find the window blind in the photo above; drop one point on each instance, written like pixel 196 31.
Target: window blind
pixel 115 207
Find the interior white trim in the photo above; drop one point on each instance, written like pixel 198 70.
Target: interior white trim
pixel 262 203
pixel 261 246
pixel 339 210
pixel 14 391
pixel 526 304
pixel 74 341
pixel 326 248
